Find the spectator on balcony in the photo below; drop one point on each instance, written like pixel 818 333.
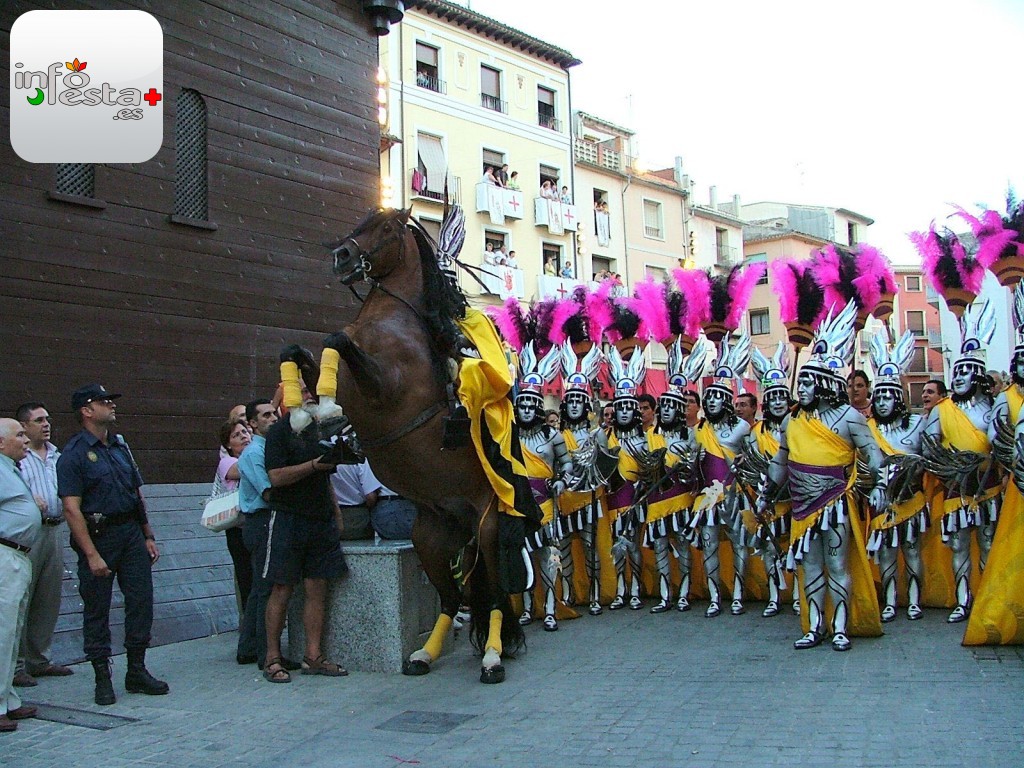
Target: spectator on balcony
pixel 422 79
pixel 565 197
pixel 500 256
pixel 502 175
pixel 489 177
pixel 548 191
pixel 618 289
pixel 513 181
pixel 601 276
pixel 567 270
pixel 549 267
pixel 511 261
pixel 489 255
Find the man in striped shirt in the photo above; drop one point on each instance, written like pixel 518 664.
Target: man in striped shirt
pixel 39 468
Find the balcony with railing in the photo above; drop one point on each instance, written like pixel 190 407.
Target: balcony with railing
pixel 728 255
pixel 549 121
pixel 435 84
pixel 595 153
pixel 487 101
pixel 422 193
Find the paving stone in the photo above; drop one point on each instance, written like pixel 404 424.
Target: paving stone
pixel 617 690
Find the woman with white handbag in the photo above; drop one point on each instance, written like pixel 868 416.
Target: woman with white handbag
pixel 234 437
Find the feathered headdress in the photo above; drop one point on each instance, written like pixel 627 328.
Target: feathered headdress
pixel 1018 318
pixel 516 326
pixel 578 373
pixel 1000 237
pixel 801 301
pixel 977 327
pixel 733 358
pixel 730 295
pixel 891 363
pixel 650 302
pixel 875 283
pixel 451 238
pixel 832 350
pixel 685 369
pixel 534 373
pixel 628 376
pixel 774 373
pixel 569 319
pixel 946 264
pixel 690 306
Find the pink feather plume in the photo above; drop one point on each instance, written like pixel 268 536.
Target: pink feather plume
pixel 696 290
pixel 509 320
pixel 650 305
pixel 972 273
pixel 599 311
pixel 826 266
pixel 783 279
pixel 741 289
pixel 927 245
pixel 876 275
pixel 993 237
pixel 564 310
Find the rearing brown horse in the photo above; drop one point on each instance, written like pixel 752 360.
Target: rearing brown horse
pixel 392 386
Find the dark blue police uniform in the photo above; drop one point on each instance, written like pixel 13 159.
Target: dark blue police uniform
pixel 107 480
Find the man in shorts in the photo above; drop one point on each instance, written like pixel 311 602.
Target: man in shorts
pixel 303 543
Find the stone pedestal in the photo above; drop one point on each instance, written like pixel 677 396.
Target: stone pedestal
pixel 382 610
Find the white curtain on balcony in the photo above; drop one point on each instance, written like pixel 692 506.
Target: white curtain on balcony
pixel 604 228
pixel 432 156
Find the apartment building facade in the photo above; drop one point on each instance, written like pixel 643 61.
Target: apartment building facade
pixel 466 93
pixel 780 230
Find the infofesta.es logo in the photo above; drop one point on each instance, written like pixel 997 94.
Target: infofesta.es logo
pixel 114 110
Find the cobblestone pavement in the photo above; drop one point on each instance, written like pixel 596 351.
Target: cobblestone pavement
pixel 622 689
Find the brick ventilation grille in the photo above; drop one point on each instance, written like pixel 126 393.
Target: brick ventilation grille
pixel 76 179
pixel 190 148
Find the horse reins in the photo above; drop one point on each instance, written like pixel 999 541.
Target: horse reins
pixel 431 411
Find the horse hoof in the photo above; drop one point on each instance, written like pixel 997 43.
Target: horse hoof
pixel 415 667
pixel 492 675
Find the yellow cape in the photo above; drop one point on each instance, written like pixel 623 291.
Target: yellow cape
pixel 998 614
pixel 536 467
pixel 769 446
pixel 811 442
pixel 483 388
pixel 959 432
pixel 898 513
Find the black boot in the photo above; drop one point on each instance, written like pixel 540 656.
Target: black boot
pixel 104 686
pixel 138 680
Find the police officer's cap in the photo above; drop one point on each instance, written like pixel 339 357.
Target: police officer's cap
pixel 82 396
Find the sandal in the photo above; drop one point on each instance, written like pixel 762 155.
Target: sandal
pixel 321 666
pixel 274 672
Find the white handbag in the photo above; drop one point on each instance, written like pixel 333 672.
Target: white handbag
pixel 222 512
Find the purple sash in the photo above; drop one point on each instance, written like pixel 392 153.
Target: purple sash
pixel 623 497
pixel 715 468
pixel 539 486
pixel 807 501
pixel 673 491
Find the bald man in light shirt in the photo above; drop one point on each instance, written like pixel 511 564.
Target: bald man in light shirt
pixel 20 525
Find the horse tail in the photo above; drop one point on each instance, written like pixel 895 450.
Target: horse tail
pixel 490 590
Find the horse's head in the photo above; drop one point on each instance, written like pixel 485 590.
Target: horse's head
pixel 375 247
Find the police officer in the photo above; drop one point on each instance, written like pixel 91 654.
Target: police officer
pixel 99 484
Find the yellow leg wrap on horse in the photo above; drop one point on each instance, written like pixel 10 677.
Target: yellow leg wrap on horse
pixel 494 632
pixel 291 385
pixel 436 640
pixel 328 382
